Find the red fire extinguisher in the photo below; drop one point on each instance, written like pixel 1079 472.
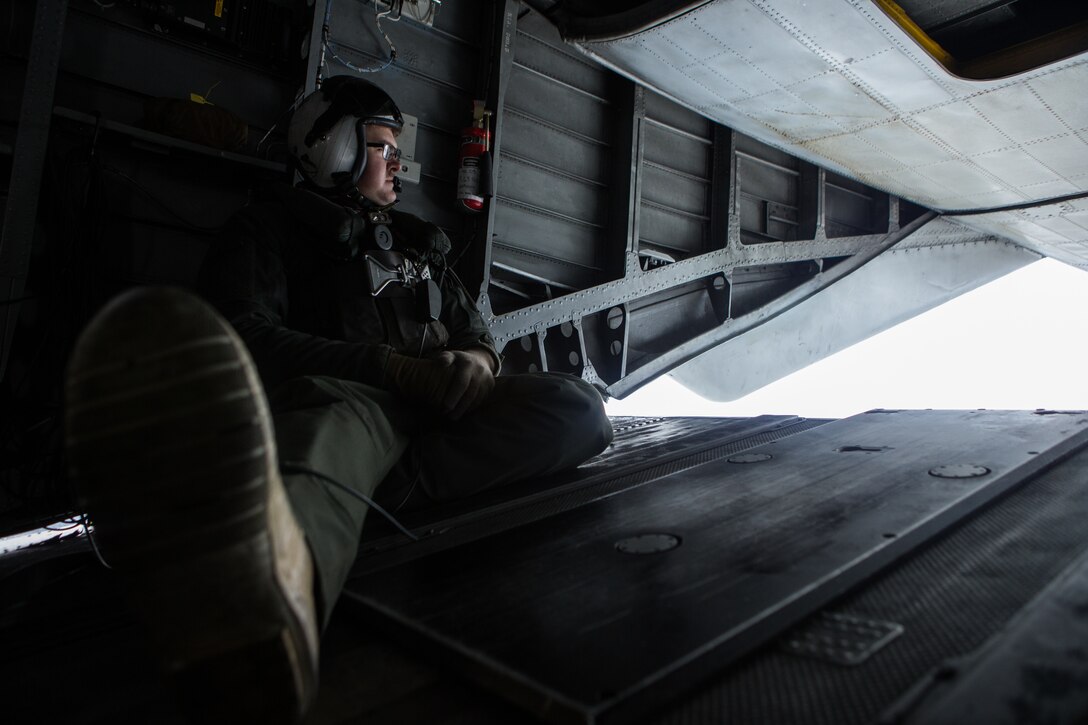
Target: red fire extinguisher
pixel 474 163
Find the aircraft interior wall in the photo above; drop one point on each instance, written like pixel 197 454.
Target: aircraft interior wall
pixel 622 224
pixel 694 571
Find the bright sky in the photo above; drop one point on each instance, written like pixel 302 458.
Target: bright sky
pixel 1020 342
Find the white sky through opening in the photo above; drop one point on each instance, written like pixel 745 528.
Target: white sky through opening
pixel 1019 342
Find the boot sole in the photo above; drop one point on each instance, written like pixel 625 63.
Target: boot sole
pixel 171 448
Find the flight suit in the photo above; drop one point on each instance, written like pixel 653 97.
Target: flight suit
pixel 300 296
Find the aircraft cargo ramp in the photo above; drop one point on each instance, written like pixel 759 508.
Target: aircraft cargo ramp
pixel 896 566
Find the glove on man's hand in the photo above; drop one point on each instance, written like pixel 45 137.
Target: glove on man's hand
pixel 453 381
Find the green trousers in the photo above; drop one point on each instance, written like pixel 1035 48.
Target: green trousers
pixel 405 457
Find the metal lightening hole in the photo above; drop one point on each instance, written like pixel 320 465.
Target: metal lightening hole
pixel 959 470
pixel 749 458
pixel 647 544
pixel 615 318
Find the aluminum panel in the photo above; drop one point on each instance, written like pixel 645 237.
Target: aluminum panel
pixel 528 138
pixel 900 79
pixel 663 228
pixel 662 321
pixel 544 98
pixel 796 119
pixel 671 114
pixel 1016 111
pixel 903 146
pixel 855 107
pixel 1015 164
pixel 1067 155
pixel 552 190
pixel 675 190
pixel 687 155
pixel 895 287
pixel 1057 230
pixel 1052 92
pixel 563 241
pixel 558 61
pixel 723 82
pixel 964 181
pixel 760 39
pixel 962 127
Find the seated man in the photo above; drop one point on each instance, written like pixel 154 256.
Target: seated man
pixel 235 521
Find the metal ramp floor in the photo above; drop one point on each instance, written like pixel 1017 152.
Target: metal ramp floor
pixel 841 578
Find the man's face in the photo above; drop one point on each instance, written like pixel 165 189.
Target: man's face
pixel 376 183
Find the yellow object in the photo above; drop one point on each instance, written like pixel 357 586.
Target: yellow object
pixel 197 98
pixel 218 8
pixel 913 30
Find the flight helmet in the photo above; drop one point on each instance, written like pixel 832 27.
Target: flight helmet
pixel 327 135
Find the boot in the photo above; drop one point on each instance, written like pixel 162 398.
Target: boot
pixel 170 446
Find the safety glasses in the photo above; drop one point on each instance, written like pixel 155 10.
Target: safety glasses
pixel 389 151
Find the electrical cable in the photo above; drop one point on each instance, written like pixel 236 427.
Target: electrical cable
pixel 287 467
pixel 290 108
pixel 423 340
pixel 94 544
pixel 160 203
pixel 467 245
pixel 331 47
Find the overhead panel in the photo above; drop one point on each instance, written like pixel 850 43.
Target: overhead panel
pixel 1056 230
pixel 844 86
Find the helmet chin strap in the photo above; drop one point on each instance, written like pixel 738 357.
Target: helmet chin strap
pixel 351 196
